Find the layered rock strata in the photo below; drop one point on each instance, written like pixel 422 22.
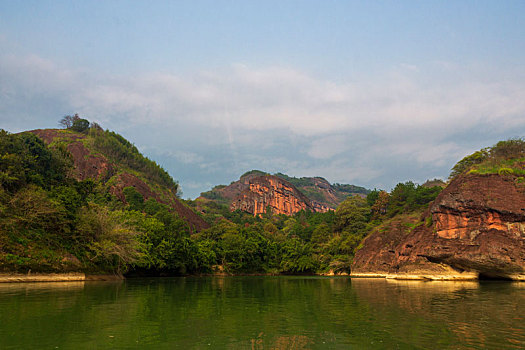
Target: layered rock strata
pixel 474 229
pixel 268 191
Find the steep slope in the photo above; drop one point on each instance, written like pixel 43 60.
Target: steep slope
pixel 88 202
pixel 474 229
pixel 323 193
pixel 92 162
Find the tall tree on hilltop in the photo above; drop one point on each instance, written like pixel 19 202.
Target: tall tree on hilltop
pixel 68 120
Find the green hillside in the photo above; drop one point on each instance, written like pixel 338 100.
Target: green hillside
pixel 55 216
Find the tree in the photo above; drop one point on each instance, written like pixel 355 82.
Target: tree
pixel 321 233
pixel 96 126
pixel 467 162
pixel 380 206
pixel 133 198
pixel 80 125
pixel 68 120
pixel 351 215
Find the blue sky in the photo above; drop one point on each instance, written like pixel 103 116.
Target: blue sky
pixel 371 93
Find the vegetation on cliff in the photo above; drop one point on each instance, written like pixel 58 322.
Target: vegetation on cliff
pixel 473 229
pixel 306 242
pixel 504 158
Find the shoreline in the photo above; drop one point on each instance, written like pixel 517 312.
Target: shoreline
pixel 462 276
pixel 8 277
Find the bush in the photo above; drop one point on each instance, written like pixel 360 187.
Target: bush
pixel 512 148
pixel 80 125
pixel 498 159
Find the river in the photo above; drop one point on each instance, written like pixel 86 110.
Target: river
pixel 262 313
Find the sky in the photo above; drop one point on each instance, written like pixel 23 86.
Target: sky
pixel 370 93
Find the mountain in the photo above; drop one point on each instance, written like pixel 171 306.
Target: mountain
pixel 85 200
pixel 256 190
pixel 475 228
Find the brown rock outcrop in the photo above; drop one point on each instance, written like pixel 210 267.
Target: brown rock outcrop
pixel 271 191
pixel 327 196
pixel 195 222
pixel 87 165
pixel 477 230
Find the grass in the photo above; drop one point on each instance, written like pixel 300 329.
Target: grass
pixel 501 167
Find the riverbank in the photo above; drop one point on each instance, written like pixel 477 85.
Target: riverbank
pixel 78 276
pixel 55 277
pixel 8 277
pixel 460 276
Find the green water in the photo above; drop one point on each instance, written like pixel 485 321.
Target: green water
pixel 262 313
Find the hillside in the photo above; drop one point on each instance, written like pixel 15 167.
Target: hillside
pixel 316 192
pixel 271 193
pixel 116 163
pixel 87 200
pixel 474 229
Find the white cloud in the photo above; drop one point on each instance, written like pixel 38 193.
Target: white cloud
pixel 327 147
pixel 344 131
pixel 185 157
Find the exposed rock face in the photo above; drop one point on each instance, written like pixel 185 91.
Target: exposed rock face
pixel 321 194
pixel 478 229
pixel 331 198
pixel 88 165
pixel 129 180
pixel 96 166
pixel 236 188
pixel 271 191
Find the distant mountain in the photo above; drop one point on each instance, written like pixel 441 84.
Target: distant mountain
pixel 323 192
pixel 256 190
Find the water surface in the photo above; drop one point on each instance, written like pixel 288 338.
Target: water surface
pixel 263 313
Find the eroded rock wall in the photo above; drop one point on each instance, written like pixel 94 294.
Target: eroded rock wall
pixel 273 192
pixel 476 226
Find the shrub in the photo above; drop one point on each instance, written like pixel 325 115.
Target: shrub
pixel 505 171
pixel 80 125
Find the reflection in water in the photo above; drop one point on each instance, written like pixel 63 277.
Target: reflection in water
pixel 484 315
pixel 15 288
pixel 263 313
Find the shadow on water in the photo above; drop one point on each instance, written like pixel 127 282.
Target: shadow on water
pixel 262 313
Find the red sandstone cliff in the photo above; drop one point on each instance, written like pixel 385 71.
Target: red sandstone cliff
pixel 320 193
pixel 261 192
pixel 475 227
